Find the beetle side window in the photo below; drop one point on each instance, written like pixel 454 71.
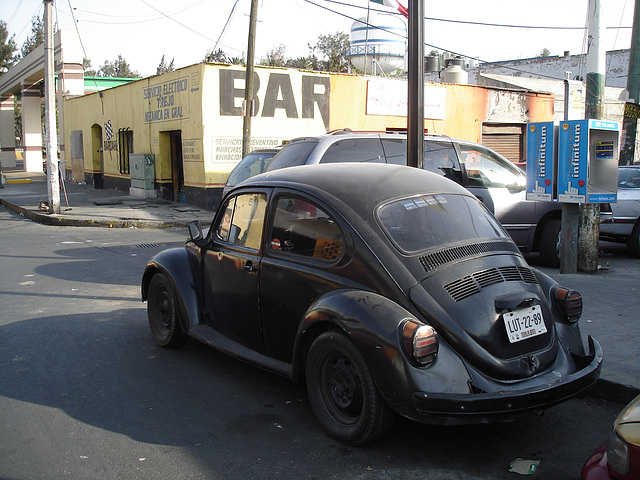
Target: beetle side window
pixel 302 228
pixel 485 169
pixel 242 221
pixel 354 150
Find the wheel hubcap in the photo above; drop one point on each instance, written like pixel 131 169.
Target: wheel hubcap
pixel 164 310
pixel 344 388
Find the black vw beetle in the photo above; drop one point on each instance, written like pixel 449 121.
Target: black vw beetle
pixel 388 289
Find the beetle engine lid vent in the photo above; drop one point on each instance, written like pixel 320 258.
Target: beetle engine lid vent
pixel 471 284
pixel 432 261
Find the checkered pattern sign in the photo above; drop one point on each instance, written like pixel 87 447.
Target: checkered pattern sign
pixel 108 129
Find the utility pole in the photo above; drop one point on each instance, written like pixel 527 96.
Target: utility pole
pixel 53 178
pixel 589 229
pixel 630 122
pixel 248 82
pixel 415 82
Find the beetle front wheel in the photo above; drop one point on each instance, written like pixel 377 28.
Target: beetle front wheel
pixel 163 313
pixel 342 393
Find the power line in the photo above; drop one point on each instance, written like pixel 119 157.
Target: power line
pixel 176 21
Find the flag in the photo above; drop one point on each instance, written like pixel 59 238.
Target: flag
pixel 393 4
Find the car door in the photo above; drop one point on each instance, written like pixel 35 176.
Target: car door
pixel 231 268
pixel 304 244
pixel 501 186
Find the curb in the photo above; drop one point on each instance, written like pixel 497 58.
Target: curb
pixel 52 219
pixel 613 392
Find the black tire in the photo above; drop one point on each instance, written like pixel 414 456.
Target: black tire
pixel 550 244
pixel 163 313
pixel 342 393
pixel 633 241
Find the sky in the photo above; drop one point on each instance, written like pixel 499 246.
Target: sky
pixel 142 31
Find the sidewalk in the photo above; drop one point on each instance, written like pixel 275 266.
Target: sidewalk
pixel 85 206
pixel 611 296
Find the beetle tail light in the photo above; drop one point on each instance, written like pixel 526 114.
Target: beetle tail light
pixel 568 302
pixel 420 342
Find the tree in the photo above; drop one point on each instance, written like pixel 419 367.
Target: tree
pixel 275 57
pixel 36 37
pixel 7 49
pixel 88 70
pixel 164 67
pixel 219 56
pixel 304 63
pixel 332 47
pixel 118 68
pixel 545 52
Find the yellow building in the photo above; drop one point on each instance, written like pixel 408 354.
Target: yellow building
pixel 189 121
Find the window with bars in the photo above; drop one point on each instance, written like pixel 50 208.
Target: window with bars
pixel 125 147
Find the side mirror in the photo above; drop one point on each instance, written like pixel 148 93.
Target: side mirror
pixel 195 233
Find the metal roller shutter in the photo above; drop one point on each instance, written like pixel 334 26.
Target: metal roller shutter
pixel 506 139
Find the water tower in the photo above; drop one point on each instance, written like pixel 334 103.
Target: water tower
pixel 378 46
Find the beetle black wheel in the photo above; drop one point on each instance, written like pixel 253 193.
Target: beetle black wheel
pixel 163 314
pixel 342 393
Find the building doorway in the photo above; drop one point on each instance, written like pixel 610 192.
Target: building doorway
pixel 177 167
pixel 97 156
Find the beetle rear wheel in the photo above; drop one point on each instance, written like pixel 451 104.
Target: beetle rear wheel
pixel 342 393
pixel 163 313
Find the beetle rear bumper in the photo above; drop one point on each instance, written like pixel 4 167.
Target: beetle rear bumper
pixel 472 407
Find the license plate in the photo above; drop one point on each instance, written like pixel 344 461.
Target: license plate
pixel 524 323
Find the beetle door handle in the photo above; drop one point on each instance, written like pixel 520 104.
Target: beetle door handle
pixel 250 267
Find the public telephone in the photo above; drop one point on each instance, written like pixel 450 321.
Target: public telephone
pixel 573 161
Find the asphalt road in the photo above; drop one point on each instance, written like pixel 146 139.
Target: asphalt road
pixel 85 393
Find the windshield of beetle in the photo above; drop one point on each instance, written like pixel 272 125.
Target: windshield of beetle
pixel 427 221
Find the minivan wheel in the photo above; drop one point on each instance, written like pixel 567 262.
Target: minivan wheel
pixel 550 244
pixel 633 241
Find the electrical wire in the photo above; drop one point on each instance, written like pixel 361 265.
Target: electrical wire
pixel 179 23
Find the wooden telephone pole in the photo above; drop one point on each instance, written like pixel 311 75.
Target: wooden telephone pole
pixel 248 85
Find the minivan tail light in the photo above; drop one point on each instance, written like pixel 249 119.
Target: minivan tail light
pixel 420 342
pixel 568 302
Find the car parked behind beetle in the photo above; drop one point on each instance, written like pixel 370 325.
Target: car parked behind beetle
pixel 498 183
pixel 386 288
pixel 619 457
pixel 621 221
pixel 252 164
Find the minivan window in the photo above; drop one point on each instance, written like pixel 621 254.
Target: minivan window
pixel 486 169
pixel 437 155
pixel 292 154
pixel 250 166
pixel 354 150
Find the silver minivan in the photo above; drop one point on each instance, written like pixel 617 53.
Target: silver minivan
pixel 497 182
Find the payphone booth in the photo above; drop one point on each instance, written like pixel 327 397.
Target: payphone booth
pixel 541 161
pixel 588 152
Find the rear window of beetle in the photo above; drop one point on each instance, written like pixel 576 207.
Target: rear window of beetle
pixel 423 222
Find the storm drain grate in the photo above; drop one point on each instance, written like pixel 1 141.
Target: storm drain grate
pixel 147 245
